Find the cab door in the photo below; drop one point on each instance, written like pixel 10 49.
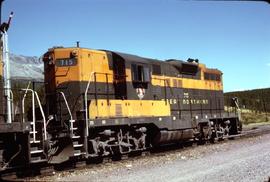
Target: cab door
pixel 119 77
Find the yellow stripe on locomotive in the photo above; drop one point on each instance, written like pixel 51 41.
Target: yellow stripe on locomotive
pixel 128 108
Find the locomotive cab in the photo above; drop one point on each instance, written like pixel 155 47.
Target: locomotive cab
pixel 68 71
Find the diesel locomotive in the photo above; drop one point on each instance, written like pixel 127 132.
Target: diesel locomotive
pixel 111 103
pixel 105 103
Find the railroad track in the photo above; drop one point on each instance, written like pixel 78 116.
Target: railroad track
pixel 26 174
pixel 255 131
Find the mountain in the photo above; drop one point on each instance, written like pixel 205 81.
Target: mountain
pixel 26 68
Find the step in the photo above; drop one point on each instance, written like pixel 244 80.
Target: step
pixel 77 145
pixel 36 151
pixel 37 141
pixel 38 161
pixel 35 122
pixel 75 137
pixel 73 128
pixel 79 153
pixel 72 121
pixel 31 132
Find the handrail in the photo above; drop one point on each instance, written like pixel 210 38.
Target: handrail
pixel 33 111
pixel 86 113
pixel 43 116
pixel 71 118
pixel 34 94
pixel 86 93
pixel 85 101
pixel 63 95
pixel 25 93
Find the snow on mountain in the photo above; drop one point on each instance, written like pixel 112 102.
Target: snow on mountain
pixel 26 67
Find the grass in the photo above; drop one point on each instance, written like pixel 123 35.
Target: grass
pixel 252 117
pixel 249 116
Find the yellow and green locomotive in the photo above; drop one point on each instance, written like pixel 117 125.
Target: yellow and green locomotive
pixel 111 103
pixel 104 103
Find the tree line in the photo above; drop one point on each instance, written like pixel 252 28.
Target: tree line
pixel 257 100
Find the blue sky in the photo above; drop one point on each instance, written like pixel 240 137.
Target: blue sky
pixel 231 36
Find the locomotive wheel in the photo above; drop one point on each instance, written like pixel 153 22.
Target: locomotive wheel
pixel 205 133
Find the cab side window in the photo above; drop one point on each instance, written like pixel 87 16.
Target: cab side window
pixel 212 76
pixel 140 73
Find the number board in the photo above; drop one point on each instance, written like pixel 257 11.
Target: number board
pixel 66 62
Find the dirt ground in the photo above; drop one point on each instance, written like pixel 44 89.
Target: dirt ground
pixel 246 159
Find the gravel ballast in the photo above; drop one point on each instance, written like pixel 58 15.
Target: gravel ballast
pixel 245 159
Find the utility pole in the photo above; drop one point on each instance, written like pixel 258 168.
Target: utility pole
pixel 1 71
pixel 7 84
pixel 6 65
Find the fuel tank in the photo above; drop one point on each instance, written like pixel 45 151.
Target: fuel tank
pixel 166 137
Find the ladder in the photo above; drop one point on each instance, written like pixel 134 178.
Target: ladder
pixel 73 129
pixel 36 140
